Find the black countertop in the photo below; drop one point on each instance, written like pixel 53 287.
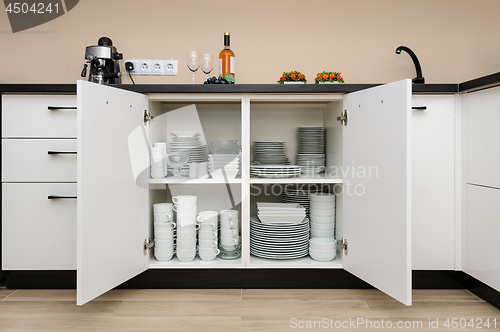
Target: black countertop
pixel 493 79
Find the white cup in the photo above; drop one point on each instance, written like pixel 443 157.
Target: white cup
pixel 207 226
pixel 321 233
pixel 229 224
pixel 229 215
pixel 322 227
pixel 228 241
pixel 207 215
pixel 206 235
pixel 182 235
pixel 203 170
pixel 322 213
pixel 230 248
pixel 164 226
pixel 163 208
pixel 193 170
pixel 186 252
pixel 207 244
pixel 322 198
pixel 163 217
pixel 186 243
pixel 205 257
pixel 208 252
pixel 164 254
pixel 322 220
pixel 164 244
pixel 322 243
pixel 164 235
pixel 190 227
pixel 184 200
pixel 186 219
pixel 228 232
pixel 181 208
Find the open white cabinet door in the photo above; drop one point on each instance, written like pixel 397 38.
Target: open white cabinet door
pixel 377 187
pixel 112 209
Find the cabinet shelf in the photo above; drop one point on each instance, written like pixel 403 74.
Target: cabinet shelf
pixel 197 263
pixel 304 262
pixel 193 181
pixel 318 178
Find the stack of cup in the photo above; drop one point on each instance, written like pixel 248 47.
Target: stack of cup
pixel 207 235
pixel 229 231
pixel 158 155
pixel 185 206
pixel 322 216
pixel 164 231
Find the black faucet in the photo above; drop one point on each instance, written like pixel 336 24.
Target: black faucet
pixel 419 78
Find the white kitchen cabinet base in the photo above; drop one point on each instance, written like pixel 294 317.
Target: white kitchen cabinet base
pixel 297 263
pixel 197 263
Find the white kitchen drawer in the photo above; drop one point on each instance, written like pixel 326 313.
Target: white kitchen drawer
pixel 31 116
pixel 38 233
pixel 28 160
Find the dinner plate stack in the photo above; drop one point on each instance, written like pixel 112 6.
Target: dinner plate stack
pixel 188 141
pixel 275 171
pixel 299 194
pixel 311 149
pixel 270 152
pixel 279 240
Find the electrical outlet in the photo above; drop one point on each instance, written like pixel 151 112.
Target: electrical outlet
pixel 157 67
pixel 144 67
pixel 136 67
pixel 170 67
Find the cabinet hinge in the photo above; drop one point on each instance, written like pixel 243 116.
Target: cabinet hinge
pixel 343 118
pixel 147 117
pixel 343 244
pixel 148 244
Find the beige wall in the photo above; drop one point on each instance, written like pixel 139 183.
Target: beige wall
pixel 455 40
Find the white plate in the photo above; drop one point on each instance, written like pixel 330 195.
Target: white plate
pixel 185 133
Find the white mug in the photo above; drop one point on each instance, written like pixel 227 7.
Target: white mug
pixel 228 232
pixel 164 254
pixel 186 218
pixel 163 208
pixel 203 170
pixel 163 217
pixel 191 227
pixel 189 234
pixel 186 243
pixel 207 244
pixel 229 224
pixel 164 226
pixel 184 200
pixel 206 235
pixel 230 215
pixel 208 251
pixel 164 244
pixel 164 235
pixel 207 226
pixel 185 208
pixel 228 241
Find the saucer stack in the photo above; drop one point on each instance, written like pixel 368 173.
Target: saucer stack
pixel 188 141
pixel 158 164
pixel 300 194
pixel 229 234
pixel 218 164
pixel 164 231
pixel 270 152
pixel 322 215
pixel 311 149
pixel 185 206
pixel 207 235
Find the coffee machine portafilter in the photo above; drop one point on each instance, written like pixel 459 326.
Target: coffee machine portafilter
pixel 103 60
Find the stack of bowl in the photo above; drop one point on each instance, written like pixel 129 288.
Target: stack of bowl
pixel 218 164
pixel 322 216
pixel 164 231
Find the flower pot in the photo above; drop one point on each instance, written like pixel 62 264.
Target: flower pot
pixel 334 82
pixel 293 82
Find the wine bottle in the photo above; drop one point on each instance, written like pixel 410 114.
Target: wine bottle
pixel 226 58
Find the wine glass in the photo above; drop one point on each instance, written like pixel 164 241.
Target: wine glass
pixel 177 160
pixel 193 62
pixel 207 64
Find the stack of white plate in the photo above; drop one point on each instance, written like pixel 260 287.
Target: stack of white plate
pixel 299 194
pixel 311 149
pixel 230 164
pixel 270 152
pixel 275 171
pixel 188 141
pixel 281 212
pixel 283 240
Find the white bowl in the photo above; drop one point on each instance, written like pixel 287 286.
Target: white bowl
pixel 291 218
pixel 322 243
pixel 322 255
pixel 322 220
pixel 322 206
pixel 322 198
pixel 322 227
pixel 321 233
pixel 322 213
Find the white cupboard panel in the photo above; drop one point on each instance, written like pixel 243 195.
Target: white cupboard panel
pixel 482 247
pixel 482 137
pixel 377 187
pixel 38 233
pixel 39 160
pixel 39 116
pixel 433 164
pixel 112 211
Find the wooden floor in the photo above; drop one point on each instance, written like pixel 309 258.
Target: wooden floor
pixel 234 310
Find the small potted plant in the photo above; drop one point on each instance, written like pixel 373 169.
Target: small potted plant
pixel 292 77
pixel 328 77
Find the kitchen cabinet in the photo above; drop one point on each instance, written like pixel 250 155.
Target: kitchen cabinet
pixel 116 195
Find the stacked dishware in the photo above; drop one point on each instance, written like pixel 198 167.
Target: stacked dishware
pixel 224 166
pixel 185 206
pixel 299 194
pixel 188 141
pixel 279 240
pixel 158 166
pixel 229 234
pixel 322 215
pixel 207 235
pixel 275 171
pixel 164 231
pixel 281 212
pixel 270 152
pixel 311 149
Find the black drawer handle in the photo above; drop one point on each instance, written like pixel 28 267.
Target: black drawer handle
pixel 55 108
pixel 61 152
pixel 60 197
pixel 419 108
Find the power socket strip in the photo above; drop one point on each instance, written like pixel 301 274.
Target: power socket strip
pixel 153 67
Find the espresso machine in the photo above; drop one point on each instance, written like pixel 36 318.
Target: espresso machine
pixel 103 60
